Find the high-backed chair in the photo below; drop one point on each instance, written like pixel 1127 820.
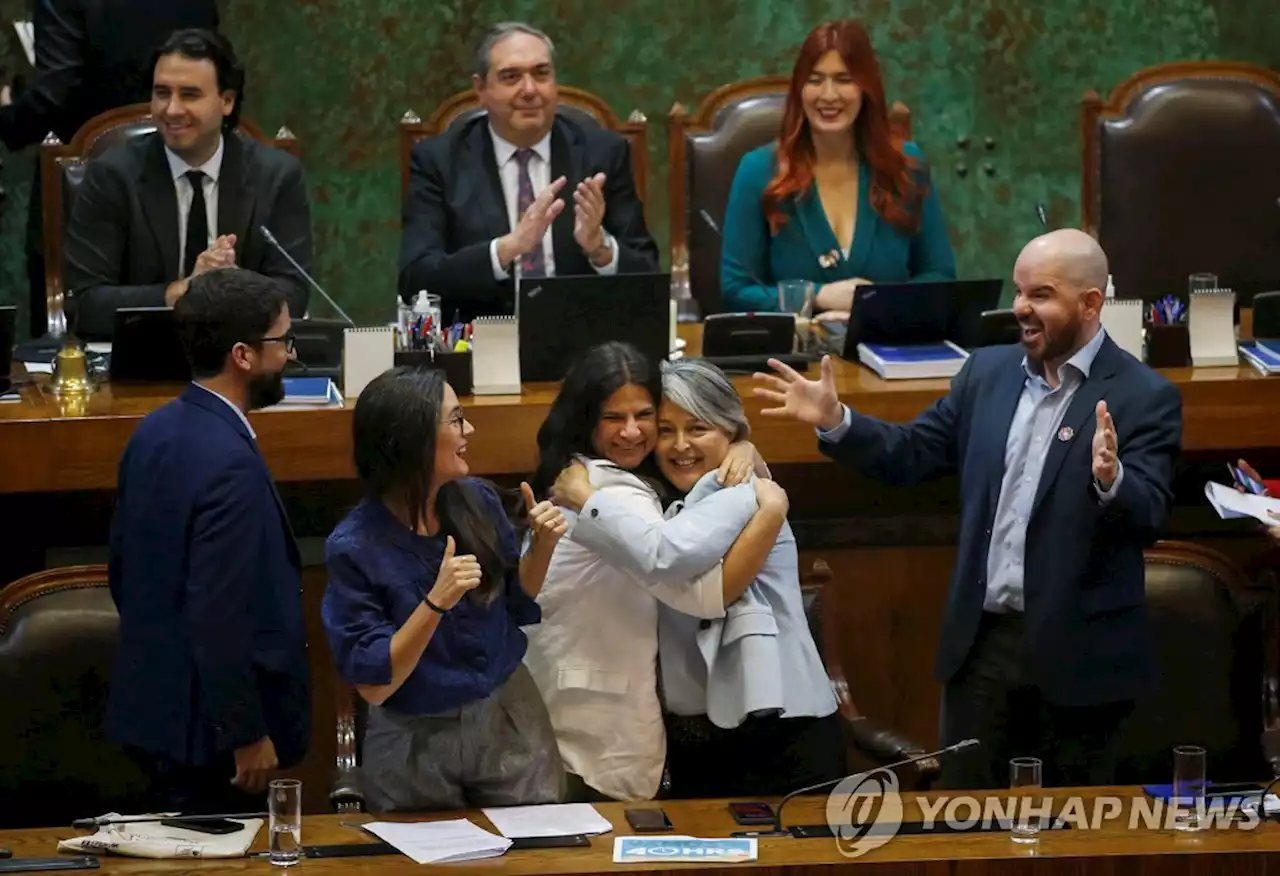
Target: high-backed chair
pixel 58 633
pixel 703 151
pixel 1180 176
pixel 62 168
pixel 581 106
pixel 868 743
pixel 1216 635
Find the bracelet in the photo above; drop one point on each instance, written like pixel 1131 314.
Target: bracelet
pixel 431 605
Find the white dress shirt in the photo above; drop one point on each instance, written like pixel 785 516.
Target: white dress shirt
pixel 182 186
pixel 540 177
pixel 230 404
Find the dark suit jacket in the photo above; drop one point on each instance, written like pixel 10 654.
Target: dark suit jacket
pixel 1088 635
pixel 92 56
pixel 456 208
pixel 122 242
pixel 205 574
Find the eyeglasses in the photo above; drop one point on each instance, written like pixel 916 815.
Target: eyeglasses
pixel 287 339
pixel 456 421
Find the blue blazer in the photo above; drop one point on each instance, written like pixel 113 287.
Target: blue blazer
pixel 205 575
pixel 1088 635
pixel 879 252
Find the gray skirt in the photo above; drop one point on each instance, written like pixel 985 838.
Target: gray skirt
pixel 498 751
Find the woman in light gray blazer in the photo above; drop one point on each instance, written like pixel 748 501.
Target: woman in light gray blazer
pixel 749 709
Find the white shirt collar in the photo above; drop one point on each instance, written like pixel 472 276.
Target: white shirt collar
pixel 239 413
pixel 211 168
pixel 504 149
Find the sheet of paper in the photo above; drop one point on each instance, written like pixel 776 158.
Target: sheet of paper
pixel 440 842
pixel 556 819
pixel 1230 504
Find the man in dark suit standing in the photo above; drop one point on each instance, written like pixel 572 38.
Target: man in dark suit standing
pixel 91 56
pixel 1065 448
pixel 486 194
pixel 142 227
pixel 210 686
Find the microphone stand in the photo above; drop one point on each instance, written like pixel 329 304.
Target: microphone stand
pixel 777 819
pixel 88 823
pixel 271 239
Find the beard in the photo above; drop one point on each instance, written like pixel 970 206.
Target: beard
pixel 1057 343
pixel 266 389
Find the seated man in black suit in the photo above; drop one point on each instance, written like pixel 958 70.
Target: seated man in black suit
pixel 488 192
pixel 140 230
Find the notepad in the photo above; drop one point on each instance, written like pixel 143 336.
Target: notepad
pixel 1122 320
pixel 495 356
pixel 1211 320
pixel 366 353
pixel 440 842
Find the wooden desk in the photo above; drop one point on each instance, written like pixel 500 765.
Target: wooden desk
pixel 63 448
pixel 1111 848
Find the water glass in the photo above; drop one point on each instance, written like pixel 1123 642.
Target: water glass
pixel 284 798
pixel 1201 282
pixel 796 296
pixel 1188 787
pixel 1025 775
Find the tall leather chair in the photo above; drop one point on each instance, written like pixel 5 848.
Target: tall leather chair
pixel 1216 636
pixel 62 168
pixel 581 106
pixel 58 634
pixel 868 743
pixel 703 152
pixel 1180 176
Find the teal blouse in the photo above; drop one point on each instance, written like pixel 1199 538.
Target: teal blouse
pixel 879 251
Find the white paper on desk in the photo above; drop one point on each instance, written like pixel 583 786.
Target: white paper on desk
pixel 1231 503
pixel 553 819
pixel 150 839
pixel 440 842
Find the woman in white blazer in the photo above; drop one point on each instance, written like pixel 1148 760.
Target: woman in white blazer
pixel 594 654
pixel 750 710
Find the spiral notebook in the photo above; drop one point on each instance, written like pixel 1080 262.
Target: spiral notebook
pixel 1122 319
pixel 495 355
pixel 366 353
pixel 1211 320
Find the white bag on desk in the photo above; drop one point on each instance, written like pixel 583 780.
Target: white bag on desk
pixel 151 839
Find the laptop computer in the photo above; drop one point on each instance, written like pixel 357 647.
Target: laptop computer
pixel 8 329
pixel 146 347
pixel 563 317
pixel 920 313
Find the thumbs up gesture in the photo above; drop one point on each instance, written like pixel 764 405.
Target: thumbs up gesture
pixel 1106 458
pixel 457 575
pixel 546 522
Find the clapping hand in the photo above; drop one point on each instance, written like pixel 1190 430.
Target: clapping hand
pixel 588 214
pixel 546 522
pixel 1106 458
pixel 810 401
pixel 533 225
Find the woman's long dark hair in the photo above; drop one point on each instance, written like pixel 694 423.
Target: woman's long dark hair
pixel 572 420
pixel 393 434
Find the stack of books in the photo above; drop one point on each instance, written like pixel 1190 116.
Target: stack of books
pixel 914 361
pixel 1263 355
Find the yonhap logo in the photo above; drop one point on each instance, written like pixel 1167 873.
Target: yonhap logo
pixel 864 812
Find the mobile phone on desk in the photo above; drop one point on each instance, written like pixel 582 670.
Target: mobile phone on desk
pixel 550 842
pixel 217 826
pixel 1243 478
pixel 648 820
pixel 751 813
pixel 32 865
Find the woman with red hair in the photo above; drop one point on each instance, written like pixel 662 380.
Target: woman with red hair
pixel 837 200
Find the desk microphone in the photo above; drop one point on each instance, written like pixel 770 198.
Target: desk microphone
pixel 777 818
pixel 271 239
pixel 711 223
pixel 89 823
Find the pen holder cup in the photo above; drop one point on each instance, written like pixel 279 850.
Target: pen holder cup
pixel 456 366
pixel 1168 346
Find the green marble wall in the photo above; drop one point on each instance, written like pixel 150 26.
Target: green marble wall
pixel 341 73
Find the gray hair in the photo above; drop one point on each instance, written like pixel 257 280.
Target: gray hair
pixel 704 391
pixel 495 35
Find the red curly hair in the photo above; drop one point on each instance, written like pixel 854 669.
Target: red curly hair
pixel 895 193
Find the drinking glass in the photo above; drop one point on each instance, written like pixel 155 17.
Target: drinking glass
pixel 1025 775
pixel 1188 787
pixel 796 296
pixel 1201 282
pixel 285 810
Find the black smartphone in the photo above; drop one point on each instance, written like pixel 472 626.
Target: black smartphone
pixel 550 842
pixel 205 825
pixel 751 813
pixel 26 865
pixel 648 820
pixel 350 850
pixel 1233 789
